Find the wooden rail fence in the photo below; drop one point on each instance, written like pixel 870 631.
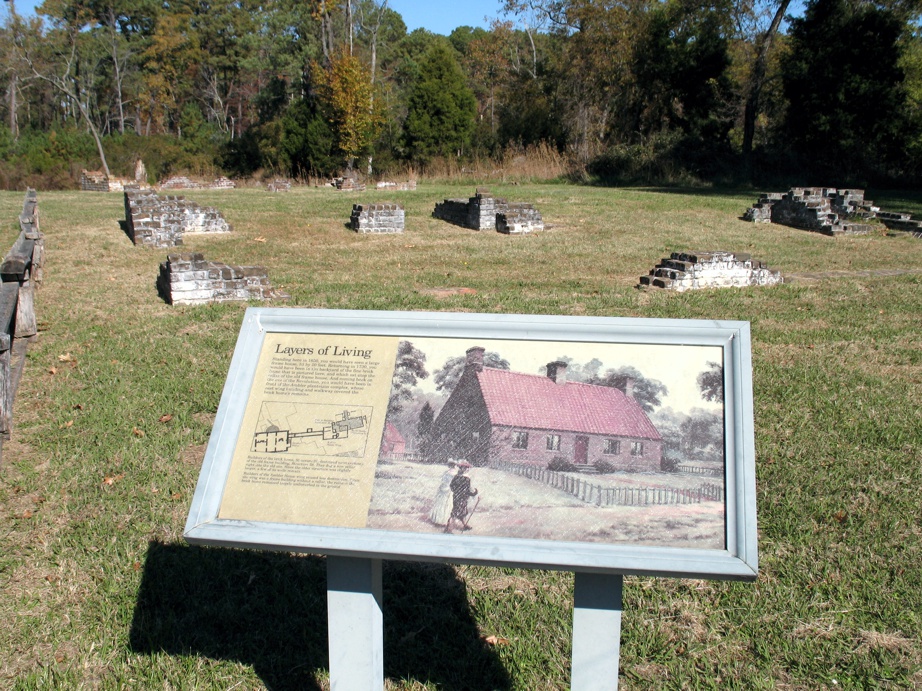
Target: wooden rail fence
pixel 600 495
pixel 21 274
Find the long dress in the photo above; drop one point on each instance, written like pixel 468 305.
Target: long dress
pixel 441 507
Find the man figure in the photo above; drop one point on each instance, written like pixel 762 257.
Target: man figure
pixel 461 491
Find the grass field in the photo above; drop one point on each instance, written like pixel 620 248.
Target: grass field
pixel 99 591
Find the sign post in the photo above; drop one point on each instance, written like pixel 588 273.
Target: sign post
pixel 596 632
pixel 306 456
pixel 355 623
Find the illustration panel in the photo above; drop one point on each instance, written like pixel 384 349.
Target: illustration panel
pixel 602 443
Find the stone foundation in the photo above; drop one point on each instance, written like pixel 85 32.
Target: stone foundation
pixel 158 221
pixel 377 218
pixel 188 279
pixel 483 211
pixel 689 271
pixel 819 209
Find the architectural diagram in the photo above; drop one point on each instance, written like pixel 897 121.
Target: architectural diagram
pixel 311 429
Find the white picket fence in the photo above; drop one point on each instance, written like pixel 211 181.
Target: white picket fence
pixel 600 495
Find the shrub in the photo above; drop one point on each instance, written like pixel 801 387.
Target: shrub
pixel 604 467
pixel 561 465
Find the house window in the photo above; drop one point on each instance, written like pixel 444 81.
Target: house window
pixel 520 440
pixel 612 447
pixel 637 448
pixel 553 442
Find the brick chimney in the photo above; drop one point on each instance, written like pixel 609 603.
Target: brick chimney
pixel 475 359
pixel 557 372
pixel 629 387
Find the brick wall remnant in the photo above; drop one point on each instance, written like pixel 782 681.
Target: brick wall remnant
pixel 97 181
pixel 348 185
pixel 901 222
pixel 519 218
pixel 189 279
pixel 158 221
pixel 825 210
pixel 483 211
pixel 181 182
pixel 377 218
pixel 683 271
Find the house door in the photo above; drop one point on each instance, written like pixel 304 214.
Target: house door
pixel 581 450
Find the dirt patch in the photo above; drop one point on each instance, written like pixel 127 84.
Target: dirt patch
pixel 441 293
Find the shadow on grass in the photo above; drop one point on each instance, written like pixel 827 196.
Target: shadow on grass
pixel 269 611
pixel 703 191
pixel 124 226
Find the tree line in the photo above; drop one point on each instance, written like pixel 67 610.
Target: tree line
pixel 652 91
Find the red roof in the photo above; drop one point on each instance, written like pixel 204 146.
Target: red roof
pixel 392 434
pixel 534 401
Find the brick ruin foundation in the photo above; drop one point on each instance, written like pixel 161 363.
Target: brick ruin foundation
pixel 348 185
pixel 693 270
pixel 189 279
pixel 407 186
pixel 377 218
pixel 181 182
pixel 97 181
pixel 483 211
pixel 158 221
pixel 827 210
pixel 279 185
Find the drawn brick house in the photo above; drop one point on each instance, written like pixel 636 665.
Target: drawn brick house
pixel 392 442
pixel 495 414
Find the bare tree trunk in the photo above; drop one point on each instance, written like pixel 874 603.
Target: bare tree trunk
pixel 61 84
pixel 14 123
pixel 349 26
pixel 326 31
pixel 374 59
pixel 756 82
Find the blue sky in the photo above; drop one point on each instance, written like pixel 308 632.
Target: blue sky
pixel 443 17
pixel 438 17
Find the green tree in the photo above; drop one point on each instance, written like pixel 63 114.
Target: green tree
pixel 703 435
pixel 440 109
pixel 647 392
pixel 843 80
pixel 681 69
pixel 307 141
pixel 447 376
pixel 711 383
pixel 426 418
pixel 346 91
pixel 409 368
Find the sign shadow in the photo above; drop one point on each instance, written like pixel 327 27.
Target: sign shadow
pixel 268 610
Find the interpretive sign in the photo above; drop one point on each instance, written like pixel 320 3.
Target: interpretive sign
pixel 603 445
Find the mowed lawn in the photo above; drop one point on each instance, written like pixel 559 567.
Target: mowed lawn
pixel 99 591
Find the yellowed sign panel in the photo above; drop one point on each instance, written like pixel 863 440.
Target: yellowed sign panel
pixel 309 441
